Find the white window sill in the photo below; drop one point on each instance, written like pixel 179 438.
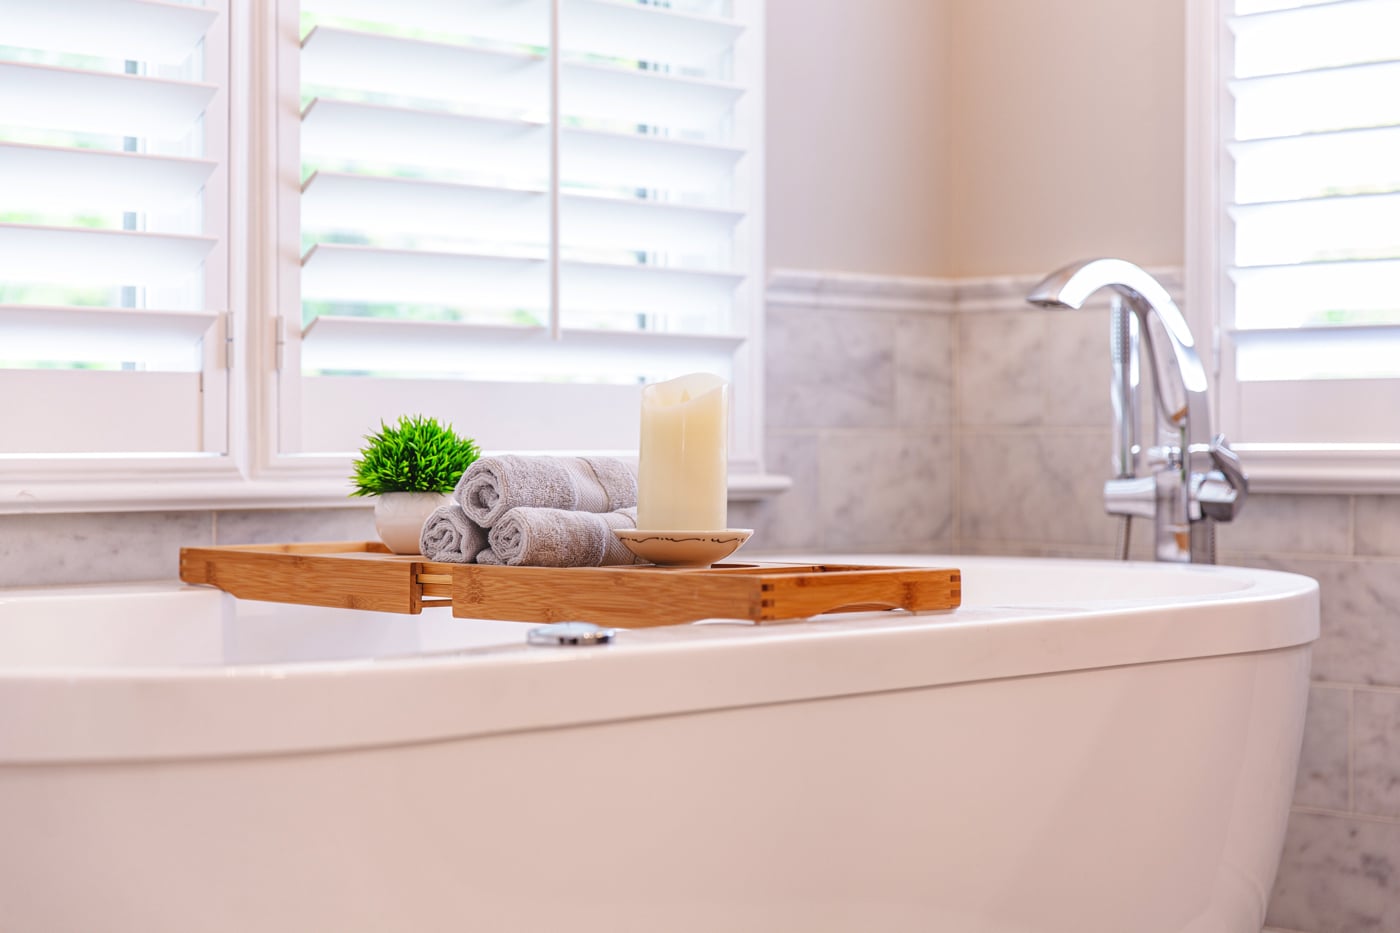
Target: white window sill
pixel 1349 469
pixel 170 491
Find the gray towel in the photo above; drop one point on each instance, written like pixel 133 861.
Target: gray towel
pixel 448 535
pixel 493 486
pixel 532 537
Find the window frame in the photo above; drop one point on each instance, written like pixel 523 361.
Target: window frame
pixel 261 221
pixel 1296 465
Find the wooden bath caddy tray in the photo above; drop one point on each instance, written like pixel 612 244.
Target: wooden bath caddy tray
pixel 364 575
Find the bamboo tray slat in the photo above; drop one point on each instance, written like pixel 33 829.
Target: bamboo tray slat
pixel 364 575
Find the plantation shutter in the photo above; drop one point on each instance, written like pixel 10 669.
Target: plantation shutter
pixel 515 212
pixel 113 257
pixel 1312 330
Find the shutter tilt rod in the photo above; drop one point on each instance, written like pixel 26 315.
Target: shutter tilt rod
pixel 554 134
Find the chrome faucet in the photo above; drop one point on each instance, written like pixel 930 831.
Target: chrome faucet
pixel 1189 479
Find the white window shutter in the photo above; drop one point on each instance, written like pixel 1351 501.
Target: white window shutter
pixel 518 260
pixel 1315 210
pixel 113 256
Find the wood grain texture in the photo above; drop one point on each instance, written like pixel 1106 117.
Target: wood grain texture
pixel 364 575
pixel 345 575
pixel 637 597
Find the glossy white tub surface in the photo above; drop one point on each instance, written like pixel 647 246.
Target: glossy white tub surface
pixel 1082 747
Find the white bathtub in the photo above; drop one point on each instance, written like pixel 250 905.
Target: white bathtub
pixel 1083 747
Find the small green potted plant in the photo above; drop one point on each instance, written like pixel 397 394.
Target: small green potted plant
pixel 410 468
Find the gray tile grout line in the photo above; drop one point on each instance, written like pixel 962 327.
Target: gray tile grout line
pixel 1351 750
pixel 1351 531
pixel 1356 685
pixel 1376 818
pixel 1316 555
pixel 956 326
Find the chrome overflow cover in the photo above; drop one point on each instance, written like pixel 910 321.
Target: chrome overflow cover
pixel 570 633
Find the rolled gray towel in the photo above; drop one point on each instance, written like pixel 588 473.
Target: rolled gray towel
pixel 533 537
pixel 448 535
pixel 492 486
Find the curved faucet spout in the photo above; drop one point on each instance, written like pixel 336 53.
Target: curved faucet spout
pixel 1071 287
pixel 1188 455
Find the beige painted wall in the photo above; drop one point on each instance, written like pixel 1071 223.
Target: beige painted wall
pixel 962 137
pixel 1069 133
pixel 856 135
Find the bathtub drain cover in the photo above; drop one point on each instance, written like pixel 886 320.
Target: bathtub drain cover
pixel 571 633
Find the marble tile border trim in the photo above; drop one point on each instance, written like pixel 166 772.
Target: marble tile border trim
pixel 1008 292
pixel 864 292
pixel 859 292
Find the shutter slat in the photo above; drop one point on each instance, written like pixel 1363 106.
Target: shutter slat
pixel 601 27
pixel 334 201
pixel 514 80
pixel 385 64
pixel 1250 8
pixel 366 274
pixel 1322 229
pixel 140 30
pixel 514 150
pixel 1307 293
pixel 481 352
pixel 104 257
pixel 645 33
pixel 610 93
pixel 1351 162
pixel 645 225
pixel 1356 352
pixel 338 201
pixel 518 22
pixel 603 288
pixel 165 341
pixel 1321 36
pixel 35 177
pixel 1314 101
pixel 622 160
pixel 92 102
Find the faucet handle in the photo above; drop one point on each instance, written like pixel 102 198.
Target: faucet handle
pixel 1131 495
pixel 1223 490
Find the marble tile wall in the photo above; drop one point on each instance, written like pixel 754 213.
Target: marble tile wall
pixel 102 547
pixel 860 414
pixel 1341 860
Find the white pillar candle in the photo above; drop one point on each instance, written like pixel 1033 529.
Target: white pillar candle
pixel 682 474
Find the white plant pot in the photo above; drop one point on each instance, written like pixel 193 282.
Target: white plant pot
pixel 399 518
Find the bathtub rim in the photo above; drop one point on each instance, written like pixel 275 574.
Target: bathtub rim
pixel 181 713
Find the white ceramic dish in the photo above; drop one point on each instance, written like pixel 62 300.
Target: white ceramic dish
pixel 683 548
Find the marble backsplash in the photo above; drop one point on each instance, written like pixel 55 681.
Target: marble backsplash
pixel 112 546
pixel 918 415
